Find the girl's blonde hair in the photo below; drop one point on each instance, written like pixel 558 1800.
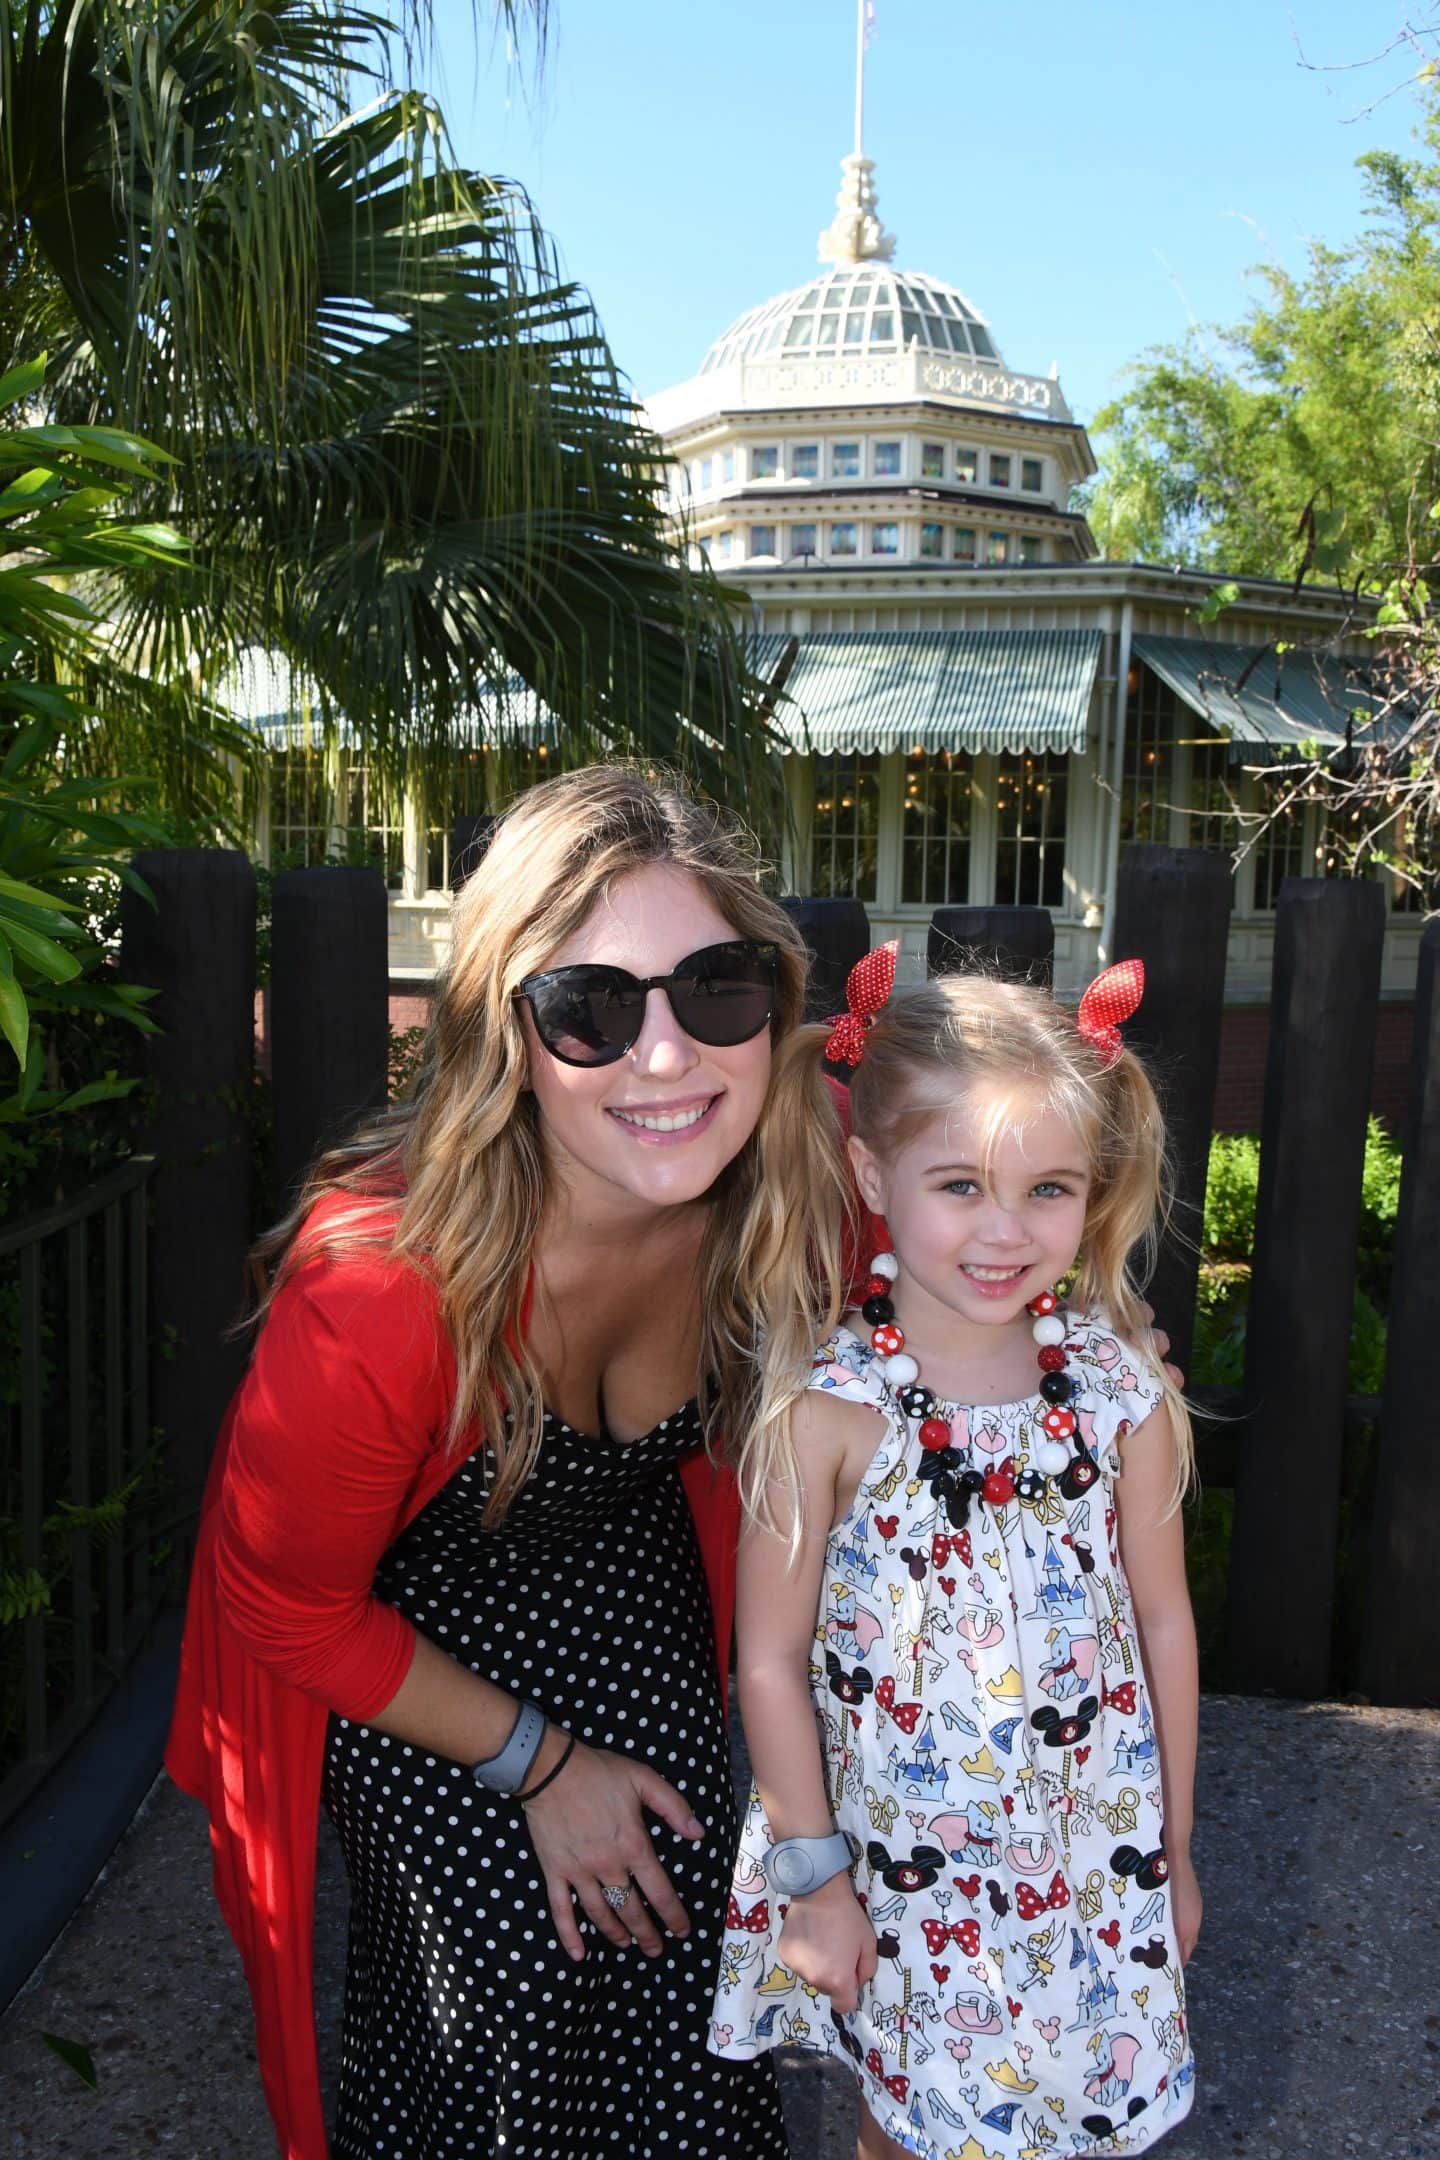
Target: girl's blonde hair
pixel 1026 1052
pixel 464 1161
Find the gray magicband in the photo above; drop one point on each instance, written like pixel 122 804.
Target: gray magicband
pixel 507 1771
pixel 799 1864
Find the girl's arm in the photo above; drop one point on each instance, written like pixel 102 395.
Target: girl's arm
pixel 827 1938
pixel 1152 1550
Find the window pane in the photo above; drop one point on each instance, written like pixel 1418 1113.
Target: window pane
pixel 845 821
pixel 804 539
pixel 845 460
pixel 1280 853
pixel 299 809
pixel 935 848
pixel 1148 787
pixel 964 543
pixel 999 472
pixel 1030 548
pixel 885 539
pixel 764 464
pixel 882 329
pixel 762 539
pixel 1032 474
pixel 932 540
pixel 725 544
pixel 932 461
pixel 967 464
pixel 727 465
pixel 887 459
pixel 844 539
pixel 1031 800
pixel 805 461
pixel 998 548
pixel 707 472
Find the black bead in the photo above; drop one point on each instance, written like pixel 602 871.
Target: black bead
pixel 1030 1485
pixel 1056 1387
pixel 878 1310
pixel 916 1401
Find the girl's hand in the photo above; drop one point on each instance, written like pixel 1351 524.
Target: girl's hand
pixel 1161 1341
pixel 589 1833
pixel 1186 1904
pixel 827 1940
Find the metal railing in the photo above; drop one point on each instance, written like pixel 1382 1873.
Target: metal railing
pixel 77 1500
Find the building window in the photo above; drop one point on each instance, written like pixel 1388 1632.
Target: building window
pixel 805 461
pixel 1031 548
pixel 727 466
pixel 845 460
pixel 885 539
pixel 844 539
pixel 932 540
pixel 845 820
pixel 1214 799
pixel 765 463
pixel 932 461
pixel 999 471
pixel 1147 787
pixel 967 464
pixel 1280 853
pixel 1031 792
pixel 887 460
pixel 997 548
pixel 935 849
pixel 373 834
pixel 762 540
pixel 804 539
pixel 882 328
pixel 964 543
pixel 299 809
pixel 1032 475
pixel 724 545
pixel 707 473
pixel 466 797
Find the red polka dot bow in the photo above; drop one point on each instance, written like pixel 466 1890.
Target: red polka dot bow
pixel 867 986
pixel 1112 997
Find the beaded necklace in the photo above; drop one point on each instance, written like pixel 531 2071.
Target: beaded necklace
pixel 944 1462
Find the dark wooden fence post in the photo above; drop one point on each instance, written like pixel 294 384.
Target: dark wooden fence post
pixel 197 948
pixel 1172 910
pixel 1324 999
pixel 329 1010
pixel 1016 943
pixel 469 838
pixel 838 934
pixel 1400 1648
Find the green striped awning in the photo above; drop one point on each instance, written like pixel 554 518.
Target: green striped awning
pixel 1255 695
pixel 888 690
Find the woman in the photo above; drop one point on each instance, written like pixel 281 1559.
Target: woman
pixel 451 1560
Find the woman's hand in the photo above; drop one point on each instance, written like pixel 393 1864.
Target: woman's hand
pixel 827 1940
pixel 589 1834
pixel 1161 1341
pixel 1186 1904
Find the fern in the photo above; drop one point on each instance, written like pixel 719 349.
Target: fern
pixel 24 1595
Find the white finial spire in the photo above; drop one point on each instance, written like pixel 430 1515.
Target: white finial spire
pixel 855 233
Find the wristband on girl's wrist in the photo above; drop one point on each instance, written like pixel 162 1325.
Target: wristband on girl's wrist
pixel 534 1791
pixel 504 1772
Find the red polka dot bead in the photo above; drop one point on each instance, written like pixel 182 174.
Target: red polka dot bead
pixel 887 1340
pixel 1058 1422
pixel 1045 1303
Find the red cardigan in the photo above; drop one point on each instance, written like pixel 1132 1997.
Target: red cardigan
pixel 333 1443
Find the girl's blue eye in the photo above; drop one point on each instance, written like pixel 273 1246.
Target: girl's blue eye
pixel 966 1185
pixel 1049 1185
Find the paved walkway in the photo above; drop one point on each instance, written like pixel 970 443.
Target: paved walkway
pixel 1315 1992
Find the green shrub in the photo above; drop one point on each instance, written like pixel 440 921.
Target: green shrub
pixel 1230 1189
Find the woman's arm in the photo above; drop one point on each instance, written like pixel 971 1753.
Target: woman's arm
pixel 347 1396
pixel 827 1938
pixel 1152 1549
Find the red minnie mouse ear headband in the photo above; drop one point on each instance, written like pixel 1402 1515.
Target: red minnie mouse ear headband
pixel 1112 997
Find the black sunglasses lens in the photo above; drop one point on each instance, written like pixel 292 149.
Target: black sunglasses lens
pixel 588 1015
pixel 725 995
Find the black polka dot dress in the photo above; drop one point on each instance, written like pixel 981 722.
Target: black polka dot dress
pixel 467 2029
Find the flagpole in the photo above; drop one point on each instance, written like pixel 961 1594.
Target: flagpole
pixel 859 76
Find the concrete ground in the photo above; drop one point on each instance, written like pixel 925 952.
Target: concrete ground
pixel 1315 1991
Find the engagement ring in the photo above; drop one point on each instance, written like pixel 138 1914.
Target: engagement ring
pixel 614 1897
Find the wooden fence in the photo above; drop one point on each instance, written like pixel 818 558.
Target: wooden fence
pixel 1280 1443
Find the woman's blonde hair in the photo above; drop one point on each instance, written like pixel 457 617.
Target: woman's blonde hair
pixel 463 1161
pixel 1026 1052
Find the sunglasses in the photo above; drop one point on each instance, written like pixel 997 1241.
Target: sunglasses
pixel 590 1015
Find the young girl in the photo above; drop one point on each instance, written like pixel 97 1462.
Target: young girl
pixel 964 1561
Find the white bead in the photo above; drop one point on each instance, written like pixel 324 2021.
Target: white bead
pixel 1051 1458
pixel 1048 1330
pixel 901 1369
pixel 885 1263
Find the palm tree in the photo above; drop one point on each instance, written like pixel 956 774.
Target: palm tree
pixel 404 456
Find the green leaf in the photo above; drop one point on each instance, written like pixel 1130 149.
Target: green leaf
pixel 75 2057
pixel 14 1017
pixel 22 382
pixel 44 955
pixel 12 889
pixel 1216 601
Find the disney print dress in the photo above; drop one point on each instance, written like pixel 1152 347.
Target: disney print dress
pixel 988 1743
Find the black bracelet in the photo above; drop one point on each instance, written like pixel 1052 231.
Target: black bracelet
pixel 550 1775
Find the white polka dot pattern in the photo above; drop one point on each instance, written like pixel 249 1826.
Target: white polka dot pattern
pixel 468 2031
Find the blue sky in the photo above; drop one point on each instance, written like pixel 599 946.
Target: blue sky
pixel 1094 175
